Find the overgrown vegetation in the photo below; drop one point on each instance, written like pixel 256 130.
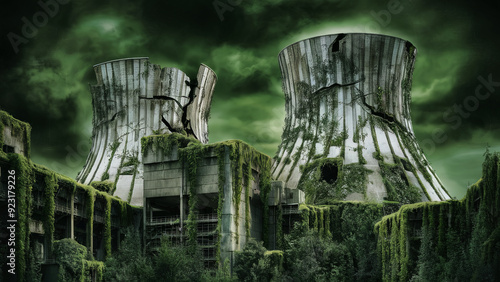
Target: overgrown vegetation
pixel 327 179
pixel 397 185
pixel 242 159
pixel 103 186
pixel 459 240
pixel 51 184
pixel 73 263
pixel 168 263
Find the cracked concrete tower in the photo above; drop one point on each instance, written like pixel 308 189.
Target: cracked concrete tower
pixel 134 98
pixel 348 133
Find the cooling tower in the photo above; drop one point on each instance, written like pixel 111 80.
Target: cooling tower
pixel 134 98
pixel 348 132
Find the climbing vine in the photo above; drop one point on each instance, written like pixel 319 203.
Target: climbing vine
pixel 18 129
pixel 107 227
pixel 459 240
pixel 327 179
pixel 221 156
pixel 113 147
pixel 190 157
pixel 90 218
pixel 49 210
pixel 49 184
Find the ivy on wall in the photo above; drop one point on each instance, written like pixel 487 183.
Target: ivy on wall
pixel 350 224
pixel 49 210
pixel 18 128
pixel 459 240
pixel 107 228
pixel 343 181
pixel 242 158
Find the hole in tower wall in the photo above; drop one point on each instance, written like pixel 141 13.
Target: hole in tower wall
pixel 329 173
pixel 336 44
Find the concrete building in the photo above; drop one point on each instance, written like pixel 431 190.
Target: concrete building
pixel 212 194
pixel 48 206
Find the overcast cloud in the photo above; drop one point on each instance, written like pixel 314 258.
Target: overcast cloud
pixel 46 81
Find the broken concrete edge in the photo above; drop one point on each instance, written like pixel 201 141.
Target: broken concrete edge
pixel 18 129
pixel 340 36
pixel 147 59
pixel 122 59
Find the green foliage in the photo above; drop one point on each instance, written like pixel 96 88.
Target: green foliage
pixel 103 186
pixel 221 156
pixel 397 185
pixel 131 159
pixel 349 224
pixel 49 210
pixel 129 263
pixel 190 157
pixel 34 269
pixel 70 256
pixel 177 263
pixel 18 128
pixel 113 147
pixel 357 223
pixel 90 268
pixel 105 176
pixel 311 257
pixel 221 274
pixel 107 228
pixel 264 164
pixel 90 218
pixel 53 183
pixel 247 177
pixel 167 263
pixel 165 143
pixel 351 178
pixel 255 263
pixel 380 95
pixel 459 240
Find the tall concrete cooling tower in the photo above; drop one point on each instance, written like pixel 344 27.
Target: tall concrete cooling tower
pixel 134 98
pixel 348 133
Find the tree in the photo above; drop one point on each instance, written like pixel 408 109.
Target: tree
pixel 129 263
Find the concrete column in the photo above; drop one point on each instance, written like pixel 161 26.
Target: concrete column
pixel 72 218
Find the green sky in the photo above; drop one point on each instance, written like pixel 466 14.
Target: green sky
pixel 46 81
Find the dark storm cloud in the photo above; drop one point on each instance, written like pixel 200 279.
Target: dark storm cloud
pixel 46 82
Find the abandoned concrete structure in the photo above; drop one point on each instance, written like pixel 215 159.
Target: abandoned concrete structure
pixel 348 122
pixel 49 206
pixel 347 136
pixel 134 98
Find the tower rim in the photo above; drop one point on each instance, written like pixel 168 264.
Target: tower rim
pixel 345 33
pixel 121 59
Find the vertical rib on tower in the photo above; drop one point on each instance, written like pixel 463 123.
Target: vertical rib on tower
pixel 348 132
pixel 134 98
